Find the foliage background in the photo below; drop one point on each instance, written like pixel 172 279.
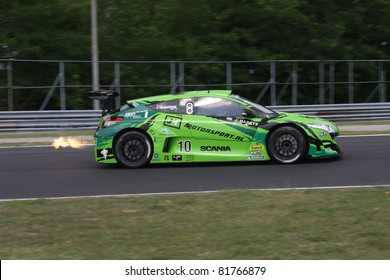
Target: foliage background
pixel 183 30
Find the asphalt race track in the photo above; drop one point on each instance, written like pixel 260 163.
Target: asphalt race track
pixel 36 172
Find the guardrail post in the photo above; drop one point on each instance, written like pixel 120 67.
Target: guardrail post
pixel 173 76
pixel 321 81
pixel 117 83
pixel 9 86
pixel 50 93
pixel 181 76
pixel 273 82
pixel 382 82
pixel 62 86
pixel 350 82
pixel 229 75
pixel 331 82
pixel 294 78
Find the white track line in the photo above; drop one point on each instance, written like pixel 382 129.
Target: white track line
pixel 194 192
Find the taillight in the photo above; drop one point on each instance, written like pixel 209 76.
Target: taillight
pixel 112 120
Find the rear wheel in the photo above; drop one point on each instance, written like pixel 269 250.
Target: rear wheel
pixel 286 145
pixel 133 149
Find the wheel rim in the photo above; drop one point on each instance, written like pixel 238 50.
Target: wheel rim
pixel 286 145
pixel 134 150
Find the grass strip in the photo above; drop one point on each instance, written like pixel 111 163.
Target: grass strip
pixel 230 224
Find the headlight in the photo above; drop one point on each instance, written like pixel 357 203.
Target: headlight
pixel 325 127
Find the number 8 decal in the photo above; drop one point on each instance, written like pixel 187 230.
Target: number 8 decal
pixel 189 108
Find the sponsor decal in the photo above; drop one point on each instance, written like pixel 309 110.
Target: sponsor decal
pixel 156 157
pixel 213 132
pixel 137 115
pixel 177 158
pixel 243 121
pixel 257 147
pixel 158 139
pixel 215 148
pixel 166 158
pixel 166 107
pixel 255 157
pixel 256 152
pixel 172 121
pixel 104 154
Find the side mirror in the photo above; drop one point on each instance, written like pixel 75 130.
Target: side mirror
pixel 248 113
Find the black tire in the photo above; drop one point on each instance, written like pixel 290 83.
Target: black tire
pixel 286 145
pixel 133 149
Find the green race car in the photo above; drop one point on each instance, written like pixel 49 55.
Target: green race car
pixel 208 126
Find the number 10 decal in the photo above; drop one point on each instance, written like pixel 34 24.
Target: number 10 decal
pixel 185 146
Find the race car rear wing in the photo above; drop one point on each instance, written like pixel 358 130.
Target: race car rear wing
pixel 106 98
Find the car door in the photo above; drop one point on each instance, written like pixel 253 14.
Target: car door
pixel 217 126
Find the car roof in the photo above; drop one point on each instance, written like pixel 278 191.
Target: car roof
pixel 185 94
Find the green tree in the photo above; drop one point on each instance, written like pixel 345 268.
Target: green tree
pixel 165 30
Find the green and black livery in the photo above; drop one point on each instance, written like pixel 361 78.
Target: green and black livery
pixel 208 126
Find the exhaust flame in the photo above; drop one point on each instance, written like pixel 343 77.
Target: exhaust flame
pixel 69 142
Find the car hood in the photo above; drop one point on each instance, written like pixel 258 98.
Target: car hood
pixel 294 117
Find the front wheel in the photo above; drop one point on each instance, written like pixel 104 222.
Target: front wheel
pixel 286 145
pixel 133 149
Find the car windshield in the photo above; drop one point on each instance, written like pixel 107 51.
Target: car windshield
pixel 261 109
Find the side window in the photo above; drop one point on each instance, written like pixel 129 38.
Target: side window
pixel 170 107
pixel 217 107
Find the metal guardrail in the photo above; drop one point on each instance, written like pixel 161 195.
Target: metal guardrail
pixel 342 112
pixel 33 121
